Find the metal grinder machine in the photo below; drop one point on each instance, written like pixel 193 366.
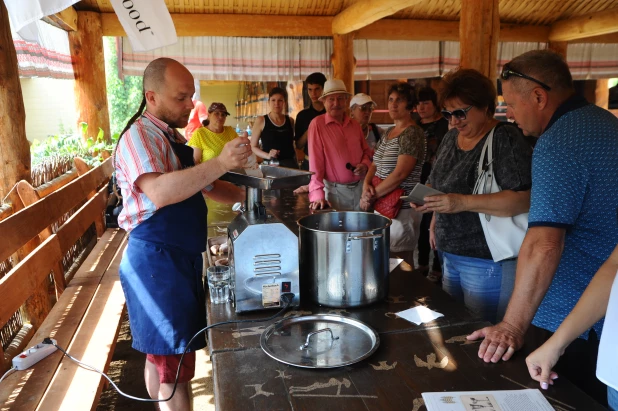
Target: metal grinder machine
pixel 263 252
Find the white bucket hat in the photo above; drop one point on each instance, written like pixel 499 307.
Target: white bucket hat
pixel 334 86
pixel 361 99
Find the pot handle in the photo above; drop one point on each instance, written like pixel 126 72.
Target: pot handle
pixel 311 334
pixel 366 237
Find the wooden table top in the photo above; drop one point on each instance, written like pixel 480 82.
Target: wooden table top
pixel 411 359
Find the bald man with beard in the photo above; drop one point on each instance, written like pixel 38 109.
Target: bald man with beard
pixel 165 215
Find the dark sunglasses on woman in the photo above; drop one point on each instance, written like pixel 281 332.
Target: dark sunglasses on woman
pixel 460 113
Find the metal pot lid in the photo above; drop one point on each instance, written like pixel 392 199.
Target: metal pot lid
pixel 319 341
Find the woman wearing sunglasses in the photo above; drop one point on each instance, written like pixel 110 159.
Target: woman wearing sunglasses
pixel 361 108
pixel 469 272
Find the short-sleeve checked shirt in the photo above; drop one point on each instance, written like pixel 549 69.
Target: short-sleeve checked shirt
pixel 575 186
pixel 144 148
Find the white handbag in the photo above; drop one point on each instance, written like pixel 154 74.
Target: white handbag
pixel 504 235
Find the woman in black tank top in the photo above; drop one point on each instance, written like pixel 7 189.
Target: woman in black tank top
pixel 276 130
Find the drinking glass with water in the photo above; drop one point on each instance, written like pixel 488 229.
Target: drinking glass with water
pixel 219 284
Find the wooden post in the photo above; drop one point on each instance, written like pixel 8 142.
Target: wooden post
pixel 602 93
pixel 89 66
pixel 559 47
pixel 14 147
pixel 479 29
pixel 343 59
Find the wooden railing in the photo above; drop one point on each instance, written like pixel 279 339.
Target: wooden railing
pixel 26 236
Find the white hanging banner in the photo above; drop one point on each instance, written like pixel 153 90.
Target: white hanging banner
pixel 148 23
pixel 24 12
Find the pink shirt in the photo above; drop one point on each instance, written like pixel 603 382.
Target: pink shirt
pixel 332 145
pixel 198 114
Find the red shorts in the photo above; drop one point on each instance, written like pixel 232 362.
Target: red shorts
pixel 167 367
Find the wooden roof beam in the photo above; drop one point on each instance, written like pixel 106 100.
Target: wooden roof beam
pixel 235 25
pixel 436 30
pixel 365 12
pixel 399 29
pixel 65 20
pixel 240 25
pixel 589 25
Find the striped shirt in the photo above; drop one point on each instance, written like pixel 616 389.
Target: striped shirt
pixel 410 142
pixel 143 149
pixel 332 145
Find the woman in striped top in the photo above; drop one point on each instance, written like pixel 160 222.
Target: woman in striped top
pixel 398 161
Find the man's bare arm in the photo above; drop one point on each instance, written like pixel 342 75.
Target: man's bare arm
pixel 537 264
pixel 171 188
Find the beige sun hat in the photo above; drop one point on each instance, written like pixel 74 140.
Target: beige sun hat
pixel 361 99
pixel 334 86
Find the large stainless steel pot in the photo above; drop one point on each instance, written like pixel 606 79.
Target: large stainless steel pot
pixel 344 258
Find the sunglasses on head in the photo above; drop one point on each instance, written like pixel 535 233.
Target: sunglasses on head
pixel 509 72
pixel 459 114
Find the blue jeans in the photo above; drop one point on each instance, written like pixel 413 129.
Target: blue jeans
pixel 612 399
pixel 484 286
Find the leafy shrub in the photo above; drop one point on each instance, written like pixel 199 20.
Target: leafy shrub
pixel 72 145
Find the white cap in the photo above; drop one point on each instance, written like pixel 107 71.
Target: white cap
pixel 361 99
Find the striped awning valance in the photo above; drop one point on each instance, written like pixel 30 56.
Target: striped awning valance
pixel 292 59
pixel 49 57
pixel 239 58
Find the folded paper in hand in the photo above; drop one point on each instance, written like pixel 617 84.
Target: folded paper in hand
pixel 419 192
pixel 419 315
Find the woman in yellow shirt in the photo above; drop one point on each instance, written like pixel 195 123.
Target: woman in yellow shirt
pixel 208 141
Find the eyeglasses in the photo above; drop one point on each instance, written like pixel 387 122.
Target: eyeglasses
pixel 509 72
pixel 460 113
pixel 366 107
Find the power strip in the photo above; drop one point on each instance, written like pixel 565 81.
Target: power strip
pixel 33 355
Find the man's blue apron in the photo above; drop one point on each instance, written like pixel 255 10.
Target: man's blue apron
pixel 161 274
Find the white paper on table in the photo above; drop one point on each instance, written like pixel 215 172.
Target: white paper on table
pixel 419 315
pixel 393 262
pixel 507 400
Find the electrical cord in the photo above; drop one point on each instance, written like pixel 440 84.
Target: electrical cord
pixel 286 298
pixel 7 373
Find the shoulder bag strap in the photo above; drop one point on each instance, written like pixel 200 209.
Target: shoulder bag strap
pixel 483 167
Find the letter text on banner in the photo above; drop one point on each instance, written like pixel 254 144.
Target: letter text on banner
pixel 148 23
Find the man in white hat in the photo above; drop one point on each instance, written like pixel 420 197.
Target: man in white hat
pixel 340 156
pixel 361 108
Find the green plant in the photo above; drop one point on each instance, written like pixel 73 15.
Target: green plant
pixel 124 94
pixel 73 145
